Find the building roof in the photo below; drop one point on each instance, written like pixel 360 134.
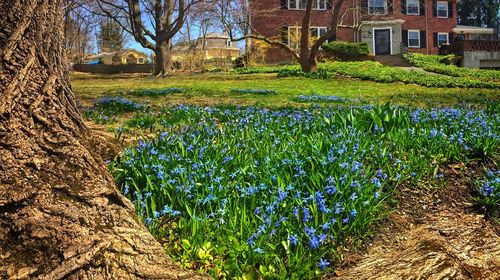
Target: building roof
pixel 215 35
pixel 462 29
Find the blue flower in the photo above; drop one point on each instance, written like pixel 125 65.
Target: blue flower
pixel 309 231
pixel 306 215
pixel 296 212
pixel 282 195
pixel 331 189
pixel 293 239
pixel 353 213
pixel 314 242
pixel 326 226
pixel 323 264
pixel 258 250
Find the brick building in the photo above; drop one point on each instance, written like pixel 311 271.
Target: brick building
pixel 422 25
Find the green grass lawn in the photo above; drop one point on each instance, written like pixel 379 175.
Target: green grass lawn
pixel 215 89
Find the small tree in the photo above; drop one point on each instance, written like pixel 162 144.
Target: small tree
pixel 152 23
pixel 229 13
pixel 78 25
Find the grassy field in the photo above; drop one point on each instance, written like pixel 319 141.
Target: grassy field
pixel 215 89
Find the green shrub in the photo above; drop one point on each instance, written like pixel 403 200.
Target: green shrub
pixel 239 62
pixel 438 64
pixel 346 51
pixel 374 71
pixel 266 69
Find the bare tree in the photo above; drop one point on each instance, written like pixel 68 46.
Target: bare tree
pixel 61 216
pixel 306 54
pixel 152 23
pixel 199 22
pixel 79 23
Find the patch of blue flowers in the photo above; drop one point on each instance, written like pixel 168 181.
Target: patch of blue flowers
pixel 108 109
pixel 157 92
pixel 320 98
pixel 254 91
pixel 249 191
pixel 116 104
pixel 489 191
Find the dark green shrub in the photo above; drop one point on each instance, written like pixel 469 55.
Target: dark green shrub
pixel 239 62
pixel 346 51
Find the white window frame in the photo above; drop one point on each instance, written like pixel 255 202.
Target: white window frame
pixel 447 38
pixel 140 60
pixel 385 9
pixel 446 8
pixel 318 31
pixel 413 31
pixel 319 5
pixel 299 29
pixel 418 8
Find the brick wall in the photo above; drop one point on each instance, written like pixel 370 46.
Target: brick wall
pixel 434 24
pixel 269 19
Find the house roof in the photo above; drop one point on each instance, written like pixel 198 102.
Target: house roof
pixel 110 54
pixel 461 29
pixel 215 35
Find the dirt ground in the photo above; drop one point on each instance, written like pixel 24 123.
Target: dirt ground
pixel 432 234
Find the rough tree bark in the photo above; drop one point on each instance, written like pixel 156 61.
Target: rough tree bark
pixel 163 53
pixel 60 214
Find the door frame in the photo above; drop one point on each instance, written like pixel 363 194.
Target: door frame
pixel 373 39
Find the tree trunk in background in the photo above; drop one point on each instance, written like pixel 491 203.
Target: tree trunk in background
pixel 61 215
pixel 305 37
pixel 163 54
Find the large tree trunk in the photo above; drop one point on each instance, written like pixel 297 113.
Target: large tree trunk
pixel 61 215
pixel 163 54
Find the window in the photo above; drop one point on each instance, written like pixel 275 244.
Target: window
pixel 412 7
pixel 414 38
pixel 294 37
pixel 301 4
pixel 376 7
pixel 141 60
pixel 317 32
pixel 442 38
pixel 442 9
pixel 229 43
pixel 320 4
